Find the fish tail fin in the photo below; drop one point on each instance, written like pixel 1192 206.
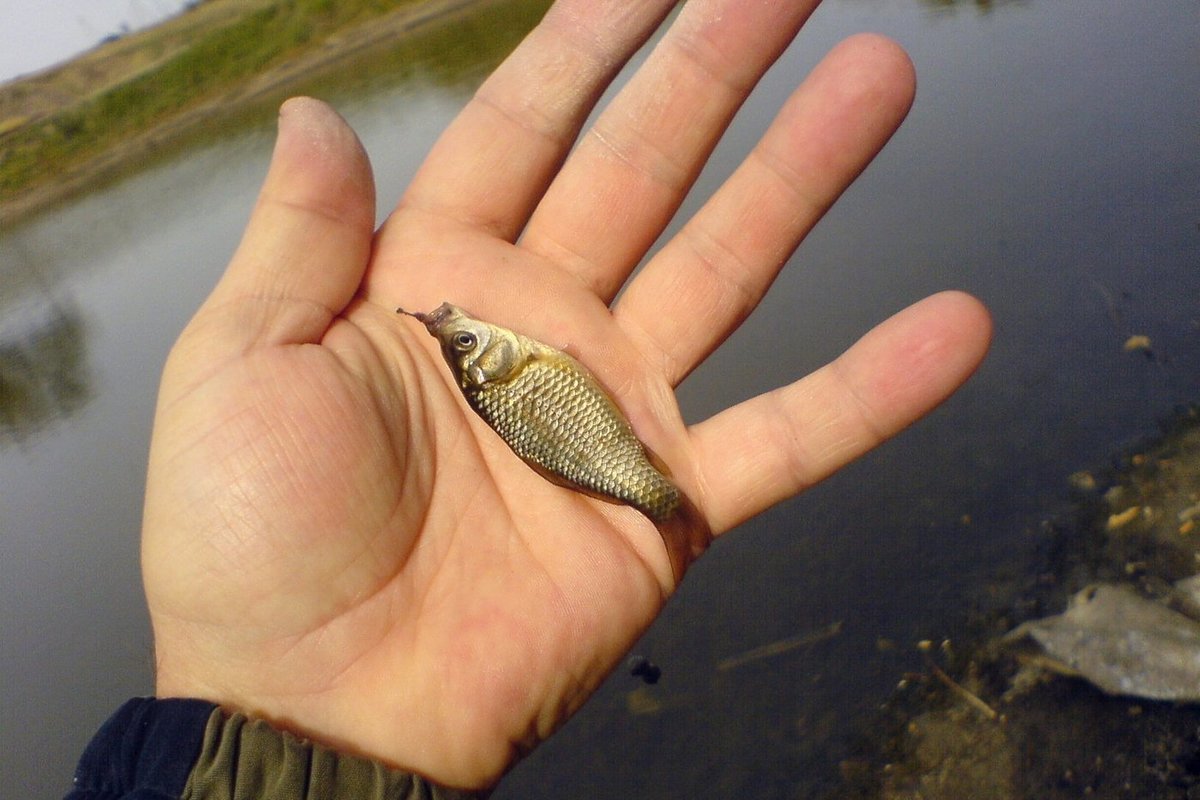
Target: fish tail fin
pixel 686 534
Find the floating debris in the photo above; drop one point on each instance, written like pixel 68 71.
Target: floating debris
pixel 644 668
pixel 1123 518
pixel 640 702
pixel 963 693
pixel 1122 643
pixel 1135 343
pixel 1083 481
pixel 781 646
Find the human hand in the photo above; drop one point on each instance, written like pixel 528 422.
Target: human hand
pixel 334 542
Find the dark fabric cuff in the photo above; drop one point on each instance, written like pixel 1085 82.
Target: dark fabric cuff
pixel 247 759
pixel 171 749
pixel 144 751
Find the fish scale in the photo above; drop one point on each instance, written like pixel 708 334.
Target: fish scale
pixel 552 416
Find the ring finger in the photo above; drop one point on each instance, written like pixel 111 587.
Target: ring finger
pixel 724 259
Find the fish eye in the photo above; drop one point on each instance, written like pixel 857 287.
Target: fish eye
pixel 463 341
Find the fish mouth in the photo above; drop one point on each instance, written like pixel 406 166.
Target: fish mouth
pixel 434 319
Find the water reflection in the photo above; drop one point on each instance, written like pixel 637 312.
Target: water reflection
pixel 43 374
pixel 43 367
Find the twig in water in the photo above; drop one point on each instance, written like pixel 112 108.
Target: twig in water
pixel 963 692
pixel 781 646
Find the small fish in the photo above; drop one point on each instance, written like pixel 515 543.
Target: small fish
pixel 552 412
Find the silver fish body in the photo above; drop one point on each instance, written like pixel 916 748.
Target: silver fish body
pixel 552 412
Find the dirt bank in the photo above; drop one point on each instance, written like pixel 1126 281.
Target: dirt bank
pixel 987 721
pixel 56 139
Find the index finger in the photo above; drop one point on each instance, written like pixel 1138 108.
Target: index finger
pixel 491 166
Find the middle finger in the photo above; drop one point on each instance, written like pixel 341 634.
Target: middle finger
pixel 631 171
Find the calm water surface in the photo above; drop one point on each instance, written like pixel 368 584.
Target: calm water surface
pixel 1051 166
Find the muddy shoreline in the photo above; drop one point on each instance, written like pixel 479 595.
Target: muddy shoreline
pixel 986 719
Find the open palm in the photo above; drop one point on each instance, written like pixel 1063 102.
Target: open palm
pixel 335 542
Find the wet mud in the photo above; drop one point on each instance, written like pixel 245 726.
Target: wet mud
pixel 992 719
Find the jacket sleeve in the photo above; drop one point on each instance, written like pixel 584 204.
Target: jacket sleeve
pixel 191 750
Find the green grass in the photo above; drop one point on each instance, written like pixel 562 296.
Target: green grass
pixel 212 63
pixel 457 55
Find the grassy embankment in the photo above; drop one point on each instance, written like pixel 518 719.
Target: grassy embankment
pixel 187 76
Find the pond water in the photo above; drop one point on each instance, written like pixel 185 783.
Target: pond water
pixel 1051 166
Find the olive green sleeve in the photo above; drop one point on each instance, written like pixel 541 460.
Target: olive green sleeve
pixel 244 759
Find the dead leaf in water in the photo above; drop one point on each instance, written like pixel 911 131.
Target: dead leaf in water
pixel 1123 643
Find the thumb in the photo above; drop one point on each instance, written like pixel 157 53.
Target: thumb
pixel 307 242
